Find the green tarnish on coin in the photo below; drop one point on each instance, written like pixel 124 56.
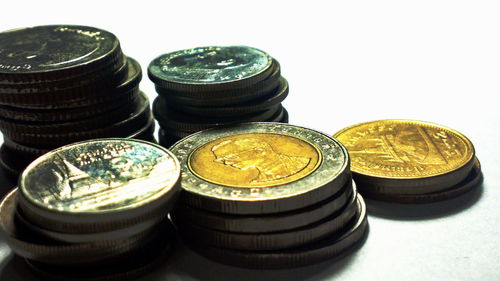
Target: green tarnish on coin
pixel 100 176
pixel 210 65
pixel 44 48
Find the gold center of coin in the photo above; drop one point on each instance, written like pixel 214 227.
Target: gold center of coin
pixel 254 160
pixel 405 149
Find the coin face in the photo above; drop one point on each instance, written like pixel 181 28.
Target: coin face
pixel 100 176
pixel 259 162
pixel 254 160
pixel 210 65
pixel 44 48
pixel 405 149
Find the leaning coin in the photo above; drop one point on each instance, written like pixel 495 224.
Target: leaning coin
pixel 46 53
pixel 206 69
pixel 406 157
pixel 256 168
pixel 266 223
pixel 99 185
pixel 319 251
pixel 27 244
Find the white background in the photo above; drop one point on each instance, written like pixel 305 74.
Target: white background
pixel 346 62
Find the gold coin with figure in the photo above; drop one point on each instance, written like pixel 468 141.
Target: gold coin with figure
pixel 406 156
pixel 256 168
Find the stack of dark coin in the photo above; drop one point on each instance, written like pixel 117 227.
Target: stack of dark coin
pixel 407 161
pixel 267 195
pixel 62 84
pixel 94 209
pixel 205 87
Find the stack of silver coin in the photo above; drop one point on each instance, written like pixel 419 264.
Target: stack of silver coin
pixel 95 205
pixel 267 195
pixel 204 87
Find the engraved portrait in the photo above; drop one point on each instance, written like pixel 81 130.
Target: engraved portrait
pixel 254 153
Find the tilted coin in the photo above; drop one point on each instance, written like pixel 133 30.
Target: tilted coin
pixel 256 168
pixel 27 244
pixel 270 241
pixel 406 157
pixel 49 52
pixel 319 251
pixel 210 68
pixel 99 185
pixel 266 222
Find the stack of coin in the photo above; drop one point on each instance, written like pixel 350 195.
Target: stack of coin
pixel 267 195
pixel 409 161
pixel 61 84
pixel 204 87
pixel 93 205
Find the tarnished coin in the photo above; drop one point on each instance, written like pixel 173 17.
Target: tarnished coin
pixel 256 168
pixel 266 222
pixel 406 157
pixel 327 248
pixel 210 68
pixel 333 223
pixel 45 53
pixel 99 185
pixel 29 245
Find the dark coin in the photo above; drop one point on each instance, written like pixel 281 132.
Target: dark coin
pixel 265 223
pixel 319 251
pixel 472 181
pixel 280 116
pixel 17 161
pixel 145 133
pixel 130 267
pixel 210 68
pixel 123 128
pixel 328 226
pixel 45 53
pixel 233 96
pixel 29 245
pixel 188 123
pixel 99 185
pixel 11 172
pixel 257 105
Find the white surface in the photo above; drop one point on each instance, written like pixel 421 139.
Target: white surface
pixel 346 62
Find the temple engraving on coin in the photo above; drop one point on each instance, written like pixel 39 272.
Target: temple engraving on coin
pixel 254 160
pixel 252 153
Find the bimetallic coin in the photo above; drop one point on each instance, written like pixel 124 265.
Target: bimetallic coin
pixel 256 168
pixel 208 68
pixel 407 157
pixel 49 52
pixel 266 222
pixel 99 185
pixel 327 248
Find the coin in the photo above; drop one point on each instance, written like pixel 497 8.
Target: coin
pixel 267 222
pixel 210 68
pixel 319 251
pixel 269 241
pixel 99 185
pixel 253 106
pixel 49 52
pixel 256 168
pixel 29 245
pixel 406 157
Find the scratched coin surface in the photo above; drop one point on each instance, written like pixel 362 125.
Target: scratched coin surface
pixel 54 47
pixel 100 176
pixel 405 149
pixel 260 167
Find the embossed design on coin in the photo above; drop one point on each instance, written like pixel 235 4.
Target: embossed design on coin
pixel 254 160
pixel 100 175
pixel 405 149
pixel 211 64
pixel 44 48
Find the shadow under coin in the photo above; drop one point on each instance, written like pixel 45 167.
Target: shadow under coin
pixel 15 269
pixel 7 183
pixel 424 211
pixel 189 263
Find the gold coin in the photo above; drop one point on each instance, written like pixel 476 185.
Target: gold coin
pixel 254 160
pixel 423 155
